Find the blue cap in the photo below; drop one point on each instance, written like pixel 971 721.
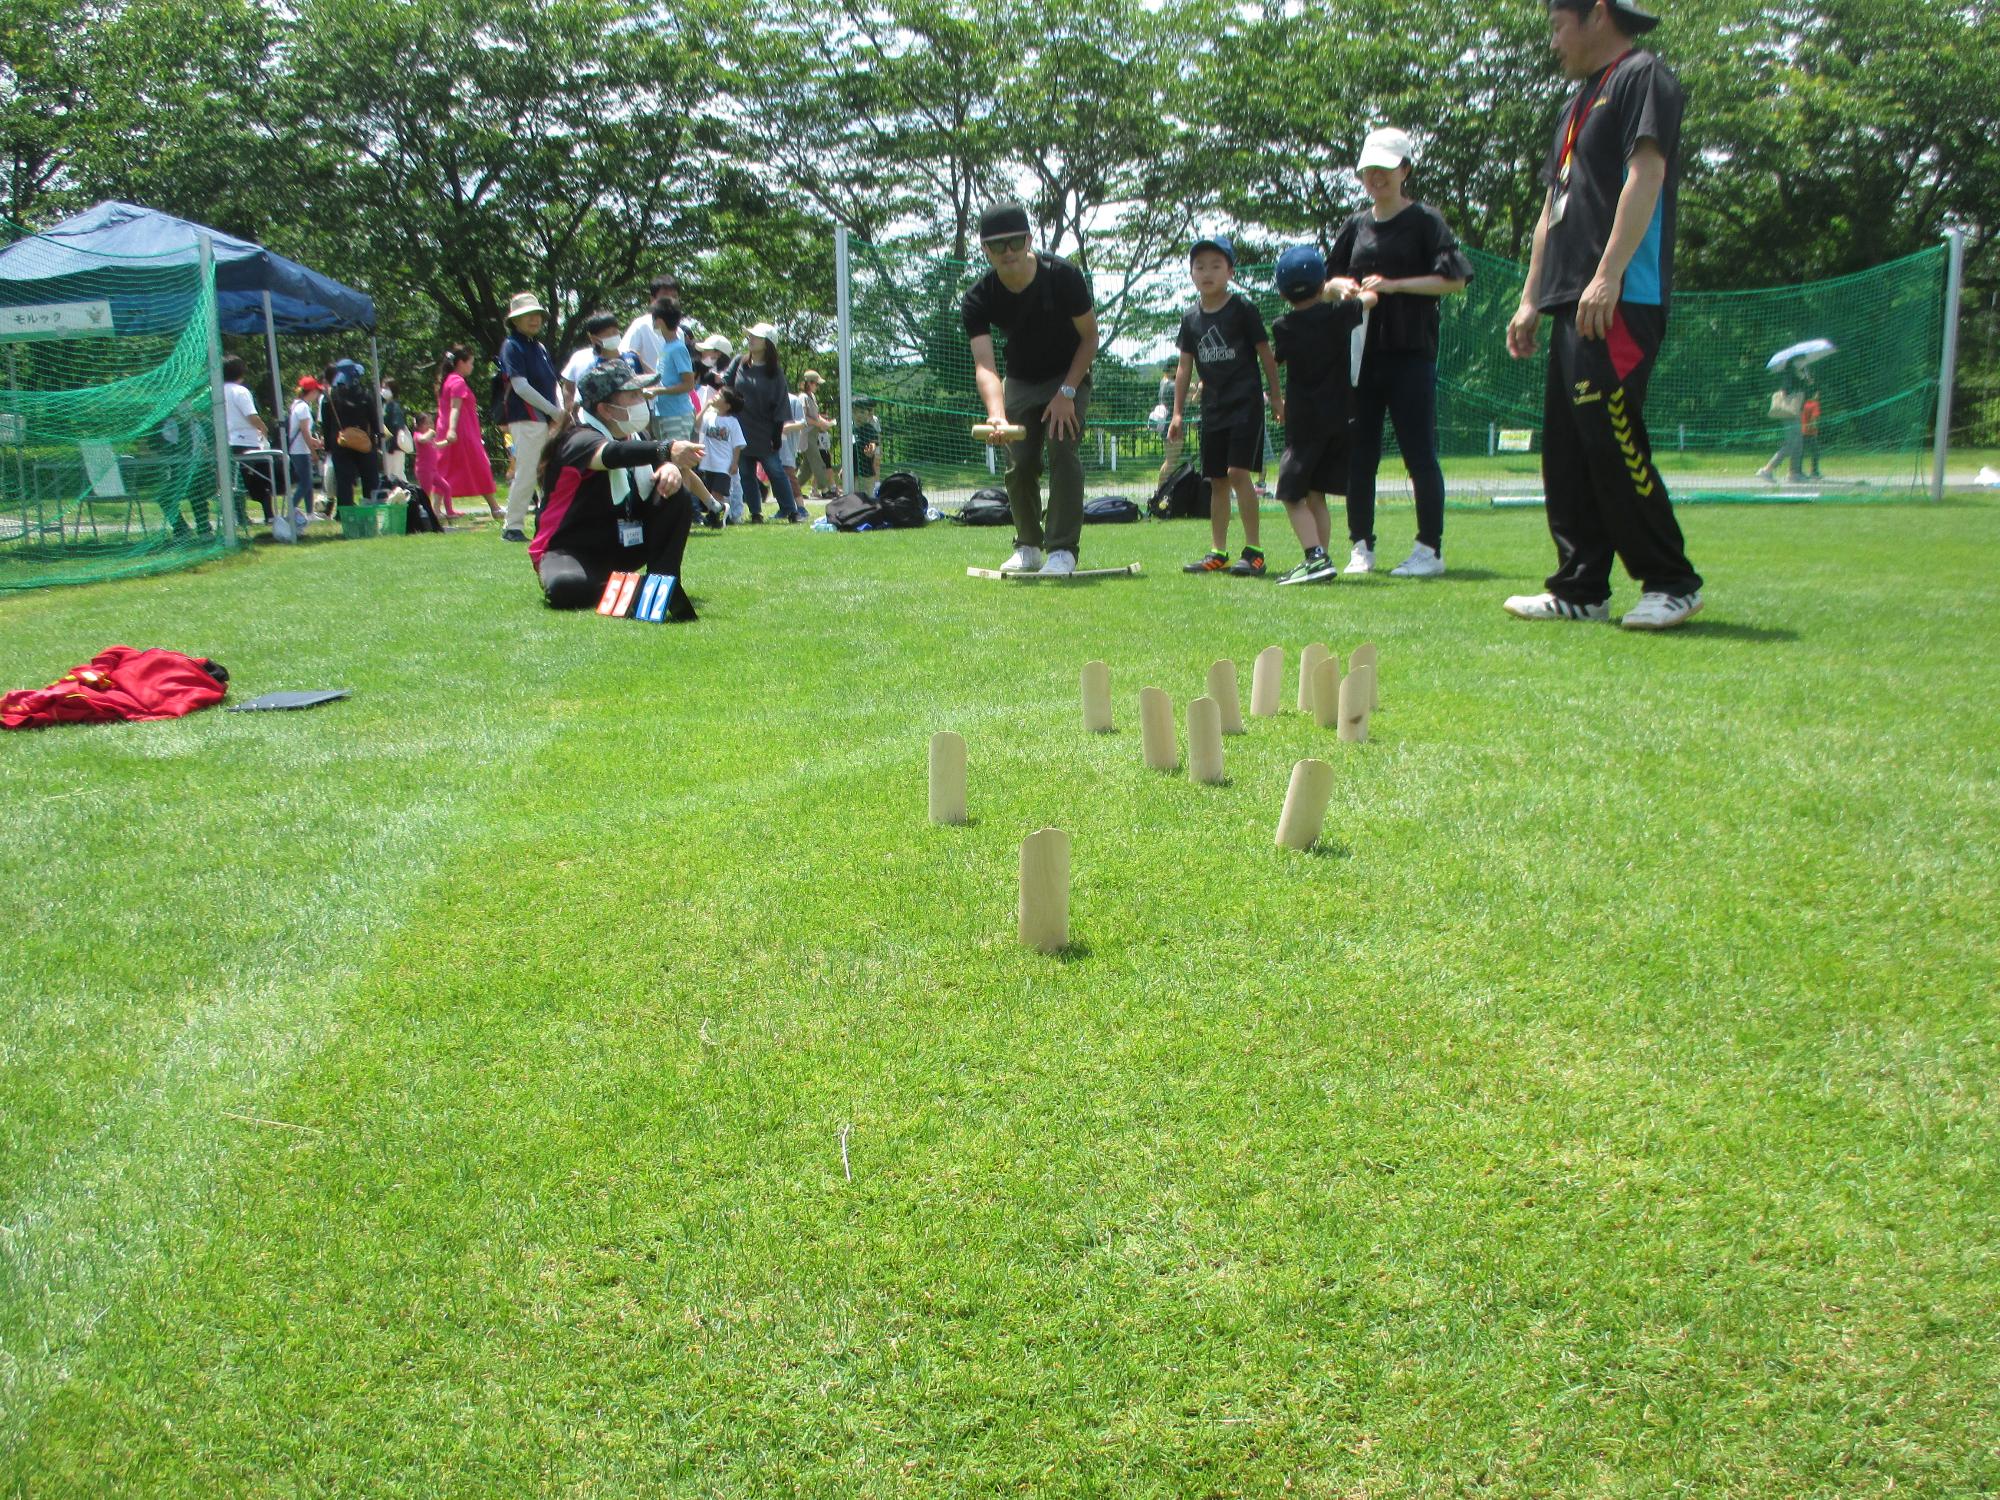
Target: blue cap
pixel 1301 269
pixel 1218 243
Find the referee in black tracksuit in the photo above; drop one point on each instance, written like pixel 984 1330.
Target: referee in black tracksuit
pixel 1602 269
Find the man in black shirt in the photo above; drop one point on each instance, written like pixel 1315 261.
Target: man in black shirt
pixel 1602 268
pixel 1042 303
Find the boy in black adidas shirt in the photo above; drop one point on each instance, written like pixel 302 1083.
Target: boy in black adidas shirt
pixel 1314 342
pixel 1223 333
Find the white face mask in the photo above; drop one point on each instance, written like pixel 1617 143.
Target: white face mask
pixel 631 420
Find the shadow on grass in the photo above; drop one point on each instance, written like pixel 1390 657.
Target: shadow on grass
pixel 1734 630
pixel 1325 850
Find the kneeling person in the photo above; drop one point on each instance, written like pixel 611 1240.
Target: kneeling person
pixel 1314 343
pixel 615 500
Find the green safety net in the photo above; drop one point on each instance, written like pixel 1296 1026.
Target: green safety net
pixel 107 443
pixel 1708 409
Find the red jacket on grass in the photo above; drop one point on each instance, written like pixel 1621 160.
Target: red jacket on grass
pixel 121 682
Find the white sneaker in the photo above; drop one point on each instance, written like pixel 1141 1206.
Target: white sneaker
pixel 1549 607
pixel 1361 559
pixel 1661 611
pixel 1423 562
pixel 1025 560
pixel 1060 565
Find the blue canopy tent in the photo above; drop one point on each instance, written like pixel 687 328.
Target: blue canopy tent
pixel 256 290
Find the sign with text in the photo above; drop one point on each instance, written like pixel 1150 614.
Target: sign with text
pixel 56 320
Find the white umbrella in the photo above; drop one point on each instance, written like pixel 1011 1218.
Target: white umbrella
pixel 1805 353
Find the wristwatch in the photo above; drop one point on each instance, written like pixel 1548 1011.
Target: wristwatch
pixel 1067 392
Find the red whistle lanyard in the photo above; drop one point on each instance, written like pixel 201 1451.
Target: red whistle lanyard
pixel 1579 112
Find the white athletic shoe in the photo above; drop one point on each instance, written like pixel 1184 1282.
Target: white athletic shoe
pixel 1661 611
pixel 1361 559
pixel 1024 560
pixel 1549 607
pixel 1060 565
pixel 1423 562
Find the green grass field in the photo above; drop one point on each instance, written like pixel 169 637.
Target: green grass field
pixel 443 1092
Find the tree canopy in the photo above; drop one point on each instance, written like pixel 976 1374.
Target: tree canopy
pixel 442 153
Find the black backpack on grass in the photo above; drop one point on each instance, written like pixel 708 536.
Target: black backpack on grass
pixel 987 507
pixel 901 496
pixel 1181 495
pixel 852 512
pixel 1109 510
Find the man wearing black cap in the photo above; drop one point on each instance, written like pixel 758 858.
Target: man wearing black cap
pixel 1602 268
pixel 1042 303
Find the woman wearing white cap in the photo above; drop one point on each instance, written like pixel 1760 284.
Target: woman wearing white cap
pixel 759 378
pixel 1404 252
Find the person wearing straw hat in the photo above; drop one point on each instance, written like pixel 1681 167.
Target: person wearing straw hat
pixel 531 403
pixel 1404 252
pixel 812 442
pixel 1601 269
pixel 1043 304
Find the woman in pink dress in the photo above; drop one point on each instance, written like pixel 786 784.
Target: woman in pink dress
pixel 462 468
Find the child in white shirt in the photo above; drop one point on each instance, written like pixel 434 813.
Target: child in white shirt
pixel 722 448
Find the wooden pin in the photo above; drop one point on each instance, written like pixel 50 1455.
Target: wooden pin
pixel 1309 658
pixel 1045 890
pixel 1355 693
pixel 1364 656
pixel 1205 742
pixel 1326 693
pixel 947 777
pixel 1096 698
pixel 1227 695
pixel 1156 729
pixel 1305 805
pixel 1005 432
pixel 1267 682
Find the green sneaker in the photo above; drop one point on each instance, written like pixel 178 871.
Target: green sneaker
pixel 1317 568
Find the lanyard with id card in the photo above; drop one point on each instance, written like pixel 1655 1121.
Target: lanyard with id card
pixel 1559 204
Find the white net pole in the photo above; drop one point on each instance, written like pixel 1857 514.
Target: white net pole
pixel 218 403
pixel 1954 281
pixel 844 304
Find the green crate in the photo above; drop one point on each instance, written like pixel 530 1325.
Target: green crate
pixel 357 521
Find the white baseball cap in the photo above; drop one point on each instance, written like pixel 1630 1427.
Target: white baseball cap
pixel 1387 147
pixel 765 331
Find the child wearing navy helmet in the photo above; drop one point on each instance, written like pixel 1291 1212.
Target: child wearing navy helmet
pixel 1314 342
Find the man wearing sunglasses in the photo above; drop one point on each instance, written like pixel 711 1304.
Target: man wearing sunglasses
pixel 1042 304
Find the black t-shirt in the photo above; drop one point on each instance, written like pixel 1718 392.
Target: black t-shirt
pixel 1315 344
pixel 1641 100
pixel 1224 345
pixel 1415 242
pixel 1039 320
pixel 581 512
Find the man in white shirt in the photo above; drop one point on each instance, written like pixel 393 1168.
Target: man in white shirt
pixel 246 433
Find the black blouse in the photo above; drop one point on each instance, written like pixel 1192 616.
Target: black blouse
pixel 1415 242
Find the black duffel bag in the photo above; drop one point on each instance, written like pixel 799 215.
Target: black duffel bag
pixel 1109 510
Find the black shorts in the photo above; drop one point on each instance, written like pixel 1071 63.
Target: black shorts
pixel 1236 447
pixel 717 481
pixel 1315 465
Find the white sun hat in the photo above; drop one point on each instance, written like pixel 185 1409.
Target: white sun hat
pixel 1388 148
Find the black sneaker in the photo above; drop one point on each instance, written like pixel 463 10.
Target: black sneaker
pixel 1249 565
pixel 1209 562
pixel 513 534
